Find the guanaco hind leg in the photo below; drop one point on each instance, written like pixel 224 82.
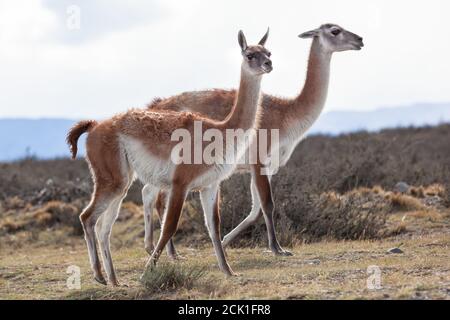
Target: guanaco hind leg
pixel 170 224
pixel 210 202
pixel 251 219
pixel 88 219
pixel 149 197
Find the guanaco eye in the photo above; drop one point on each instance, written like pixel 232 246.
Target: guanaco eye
pixel 335 32
pixel 269 54
pixel 250 56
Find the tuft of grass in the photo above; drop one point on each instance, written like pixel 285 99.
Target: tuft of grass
pixel 426 214
pixel 418 192
pixel 404 202
pixel 429 191
pixel 9 225
pixel 435 190
pixel 169 276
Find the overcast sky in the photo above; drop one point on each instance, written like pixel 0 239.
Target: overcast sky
pixel 127 52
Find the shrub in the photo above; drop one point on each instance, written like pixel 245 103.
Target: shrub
pixel 418 192
pixel 51 214
pixel 354 215
pixel 435 190
pixel 59 213
pixel 303 217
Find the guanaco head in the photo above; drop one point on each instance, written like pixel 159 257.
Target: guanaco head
pixel 335 38
pixel 256 58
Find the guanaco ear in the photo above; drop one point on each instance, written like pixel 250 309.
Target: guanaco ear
pixel 242 41
pixel 262 42
pixel 309 34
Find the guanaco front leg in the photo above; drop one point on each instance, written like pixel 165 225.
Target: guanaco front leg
pixel 160 208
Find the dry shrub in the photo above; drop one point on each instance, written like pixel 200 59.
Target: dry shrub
pixel 50 215
pixel 402 202
pixel 14 203
pixel 9 225
pixel 61 213
pixel 43 218
pixel 418 192
pixel 366 192
pixel 435 190
pixel 350 216
pixel 309 217
pixel 378 190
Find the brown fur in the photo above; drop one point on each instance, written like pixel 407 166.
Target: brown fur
pixel 75 132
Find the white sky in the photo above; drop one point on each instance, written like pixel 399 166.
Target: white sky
pixel 127 52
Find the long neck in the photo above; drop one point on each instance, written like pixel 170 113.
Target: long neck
pixel 244 111
pixel 309 103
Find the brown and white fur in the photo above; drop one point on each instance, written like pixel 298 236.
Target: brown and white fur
pixel 293 117
pixel 138 143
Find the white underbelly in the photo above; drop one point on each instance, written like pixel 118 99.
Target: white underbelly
pixel 147 167
pixel 216 173
pixel 159 172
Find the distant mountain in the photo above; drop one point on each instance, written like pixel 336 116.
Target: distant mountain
pixel 337 122
pixel 45 138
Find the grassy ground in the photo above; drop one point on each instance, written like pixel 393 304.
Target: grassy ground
pixel 325 270
pixel 39 243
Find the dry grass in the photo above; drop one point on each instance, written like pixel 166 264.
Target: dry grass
pixel 436 190
pixel 326 270
pixel 171 276
pixel 402 202
pixel 330 269
pixel 426 214
pixel 432 190
pixel 53 213
pixel 358 214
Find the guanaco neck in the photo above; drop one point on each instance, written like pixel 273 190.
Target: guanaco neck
pixel 244 112
pixel 308 105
